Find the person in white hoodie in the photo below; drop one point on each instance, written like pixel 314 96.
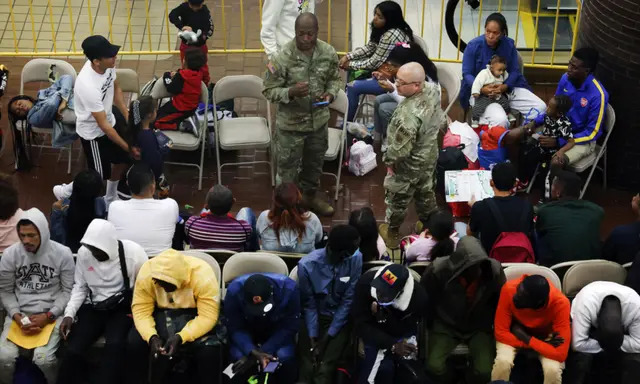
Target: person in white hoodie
pixel 605 322
pixel 278 22
pixel 100 301
pixel 36 276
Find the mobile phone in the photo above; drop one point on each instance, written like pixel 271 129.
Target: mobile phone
pixel 271 367
pixel 320 103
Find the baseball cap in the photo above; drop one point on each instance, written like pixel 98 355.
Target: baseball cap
pixel 258 295
pixel 97 47
pixel 390 282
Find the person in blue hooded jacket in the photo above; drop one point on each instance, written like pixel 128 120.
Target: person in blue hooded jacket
pixel 477 56
pixel 262 312
pixel 327 278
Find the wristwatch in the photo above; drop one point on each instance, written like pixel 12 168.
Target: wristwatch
pixel 51 317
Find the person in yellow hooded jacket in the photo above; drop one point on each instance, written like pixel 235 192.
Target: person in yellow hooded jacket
pixel 176 302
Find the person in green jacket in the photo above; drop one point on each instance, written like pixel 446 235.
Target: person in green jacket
pixel 568 228
pixel 304 73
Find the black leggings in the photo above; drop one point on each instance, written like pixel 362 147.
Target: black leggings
pixel 143 368
pixel 92 324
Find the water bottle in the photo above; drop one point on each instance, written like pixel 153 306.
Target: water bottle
pixel 413 341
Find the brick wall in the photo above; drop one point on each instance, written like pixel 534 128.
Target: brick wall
pixel 613 28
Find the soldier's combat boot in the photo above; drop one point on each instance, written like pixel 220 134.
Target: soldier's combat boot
pixel 391 236
pixel 315 204
pixel 419 227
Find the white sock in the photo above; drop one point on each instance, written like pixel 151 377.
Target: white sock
pixel 112 190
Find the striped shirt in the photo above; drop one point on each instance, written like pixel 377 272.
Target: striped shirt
pixel 217 232
pixel 373 55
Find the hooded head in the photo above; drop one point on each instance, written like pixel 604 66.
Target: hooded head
pixel 100 239
pixel 610 328
pixel 33 242
pixel 169 267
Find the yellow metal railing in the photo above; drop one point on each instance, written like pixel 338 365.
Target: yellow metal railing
pixel 156 33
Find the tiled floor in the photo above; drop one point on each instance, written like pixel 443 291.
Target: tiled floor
pixel 251 184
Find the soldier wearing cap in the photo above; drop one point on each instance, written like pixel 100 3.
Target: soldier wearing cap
pixel 263 316
pixel 302 74
pixel 412 151
pixel 387 307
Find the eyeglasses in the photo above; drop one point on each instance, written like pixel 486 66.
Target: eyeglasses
pixel 400 82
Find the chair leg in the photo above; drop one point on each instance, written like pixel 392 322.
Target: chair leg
pixel 69 160
pixel 586 184
pixel 218 160
pixel 604 170
pixel 273 175
pixel 201 169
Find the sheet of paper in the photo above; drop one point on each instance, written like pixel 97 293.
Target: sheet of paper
pixel 30 341
pixel 462 186
pixel 229 372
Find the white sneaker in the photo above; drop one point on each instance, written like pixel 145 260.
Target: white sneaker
pixel 62 191
pixel 474 123
pixel 384 146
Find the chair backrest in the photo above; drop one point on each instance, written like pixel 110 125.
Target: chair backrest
pixel 516 270
pixel 627 266
pixel 252 262
pixel 367 265
pixel 609 124
pixel 210 260
pixel 38 70
pixel 589 271
pixel 221 255
pixel 421 43
pixel 231 87
pixel 561 268
pixel 419 266
pixel 340 104
pixel 293 275
pixel 450 81
pixel 520 63
pixel 128 81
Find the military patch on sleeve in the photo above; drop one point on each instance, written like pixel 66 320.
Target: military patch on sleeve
pixel 403 134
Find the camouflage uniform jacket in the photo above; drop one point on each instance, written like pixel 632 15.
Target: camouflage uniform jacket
pixel 413 133
pixel 291 66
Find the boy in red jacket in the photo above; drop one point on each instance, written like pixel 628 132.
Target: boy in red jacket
pixel 185 85
pixel 532 314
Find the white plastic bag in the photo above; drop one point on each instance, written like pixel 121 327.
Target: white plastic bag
pixel 362 158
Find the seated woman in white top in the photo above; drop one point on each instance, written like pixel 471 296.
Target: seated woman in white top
pixel 438 239
pixel 386 103
pixel 286 227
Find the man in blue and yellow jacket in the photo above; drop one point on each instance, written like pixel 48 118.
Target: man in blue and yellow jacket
pixel 589 104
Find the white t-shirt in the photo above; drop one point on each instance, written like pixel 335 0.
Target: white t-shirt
pixel 148 222
pixel 93 92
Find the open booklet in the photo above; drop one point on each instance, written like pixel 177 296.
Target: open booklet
pixel 462 186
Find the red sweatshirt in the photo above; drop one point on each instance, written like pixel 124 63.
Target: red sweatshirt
pixel 185 88
pixel 554 317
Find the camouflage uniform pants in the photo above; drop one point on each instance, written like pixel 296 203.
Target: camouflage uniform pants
pixel 300 157
pixel 400 189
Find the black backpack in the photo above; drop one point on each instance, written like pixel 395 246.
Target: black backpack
pixel 450 159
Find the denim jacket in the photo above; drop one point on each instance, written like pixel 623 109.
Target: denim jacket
pixel 327 289
pixel 43 113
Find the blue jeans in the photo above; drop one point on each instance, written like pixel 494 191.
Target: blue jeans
pixel 361 87
pixel 247 215
pixel 44 111
pixel 383 109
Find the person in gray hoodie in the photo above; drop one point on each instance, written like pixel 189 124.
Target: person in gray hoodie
pixel 100 277
pixel 463 291
pixel 36 277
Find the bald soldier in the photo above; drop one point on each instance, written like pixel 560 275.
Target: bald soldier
pixel 413 150
pixel 302 74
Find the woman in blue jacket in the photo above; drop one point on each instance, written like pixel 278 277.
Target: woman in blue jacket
pixel 476 58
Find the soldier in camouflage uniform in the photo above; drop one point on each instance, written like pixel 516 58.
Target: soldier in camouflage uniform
pixel 304 72
pixel 413 150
